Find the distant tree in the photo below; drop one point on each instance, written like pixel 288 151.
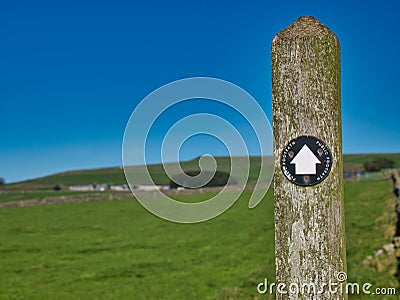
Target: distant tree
pixel 375 165
pixel 372 166
pixel 57 187
pixel 386 163
pixel 2 181
pixel 219 178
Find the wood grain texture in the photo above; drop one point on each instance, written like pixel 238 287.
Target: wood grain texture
pixel 309 221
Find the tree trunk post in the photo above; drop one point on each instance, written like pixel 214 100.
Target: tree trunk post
pixel 308 190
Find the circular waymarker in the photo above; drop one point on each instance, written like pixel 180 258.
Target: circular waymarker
pixel 306 160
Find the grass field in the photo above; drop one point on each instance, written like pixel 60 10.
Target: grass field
pixel 117 250
pixel 9 196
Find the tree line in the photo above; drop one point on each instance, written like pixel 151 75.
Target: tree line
pixel 377 164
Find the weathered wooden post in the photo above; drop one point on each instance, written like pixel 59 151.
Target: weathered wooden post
pixel 308 178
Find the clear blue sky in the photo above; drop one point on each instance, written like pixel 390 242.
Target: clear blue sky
pixel 71 72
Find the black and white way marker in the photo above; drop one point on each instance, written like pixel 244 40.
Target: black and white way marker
pixel 306 160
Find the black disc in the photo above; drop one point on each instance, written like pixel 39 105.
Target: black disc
pixel 306 161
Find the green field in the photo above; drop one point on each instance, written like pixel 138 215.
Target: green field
pixel 118 250
pixel 10 196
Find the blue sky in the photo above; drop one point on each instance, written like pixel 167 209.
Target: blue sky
pixel 71 72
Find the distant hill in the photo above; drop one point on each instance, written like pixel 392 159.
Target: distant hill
pixel 356 161
pixel 116 175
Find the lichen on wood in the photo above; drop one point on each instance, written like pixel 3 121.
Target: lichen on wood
pixel 309 221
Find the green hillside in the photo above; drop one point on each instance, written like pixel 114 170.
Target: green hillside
pixel 116 175
pixel 356 161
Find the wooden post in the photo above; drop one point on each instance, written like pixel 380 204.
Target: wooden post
pixel 309 219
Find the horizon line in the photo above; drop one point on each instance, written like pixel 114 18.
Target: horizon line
pixel 159 163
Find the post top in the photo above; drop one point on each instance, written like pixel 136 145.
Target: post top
pixel 306 26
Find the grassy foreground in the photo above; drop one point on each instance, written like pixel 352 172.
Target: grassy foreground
pixel 117 250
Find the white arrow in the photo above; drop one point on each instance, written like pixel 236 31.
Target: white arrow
pixel 305 162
